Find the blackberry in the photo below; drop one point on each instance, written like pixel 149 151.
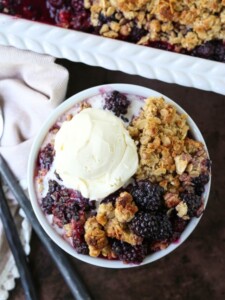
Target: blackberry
pixel 45 157
pixel 106 19
pixel 47 204
pixel 207 164
pixel 219 53
pixel 65 213
pixel 49 201
pixel 78 235
pixel 70 211
pixel 78 5
pixel 116 102
pixel 214 50
pixel 64 204
pixel 205 50
pixel 80 201
pixel 178 226
pixel 161 45
pixel 53 186
pixel 199 183
pixel 128 253
pixel 153 227
pixel 136 34
pixel 80 246
pixel 193 202
pixel 148 196
pixel 81 21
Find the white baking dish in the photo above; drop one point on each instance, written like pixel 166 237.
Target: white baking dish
pixel 113 54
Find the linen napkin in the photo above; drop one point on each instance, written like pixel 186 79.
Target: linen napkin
pixel 31 85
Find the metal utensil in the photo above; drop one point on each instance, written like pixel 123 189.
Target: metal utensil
pixel 14 240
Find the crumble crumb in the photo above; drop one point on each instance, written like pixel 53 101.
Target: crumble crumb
pixel 107 252
pixel 125 208
pixel 69 117
pixel 106 211
pixel 181 162
pixel 95 237
pixel 120 231
pixel 68 229
pixel 171 200
pixel 84 105
pixel 157 246
pixel 182 210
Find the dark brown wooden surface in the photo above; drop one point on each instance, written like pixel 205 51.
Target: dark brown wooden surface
pixel 194 271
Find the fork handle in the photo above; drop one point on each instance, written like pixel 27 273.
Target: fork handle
pixel 16 248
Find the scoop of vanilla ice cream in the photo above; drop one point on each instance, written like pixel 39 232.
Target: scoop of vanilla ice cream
pixel 94 153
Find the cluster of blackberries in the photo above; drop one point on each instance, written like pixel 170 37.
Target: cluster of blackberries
pixel 116 102
pixel 68 206
pixel 63 203
pixel 46 156
pixel 151 221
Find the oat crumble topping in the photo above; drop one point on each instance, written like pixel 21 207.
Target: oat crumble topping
pixel 184 24
pixel 111 222
pixel 165 150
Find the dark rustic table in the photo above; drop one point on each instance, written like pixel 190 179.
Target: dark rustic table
pixel 194 271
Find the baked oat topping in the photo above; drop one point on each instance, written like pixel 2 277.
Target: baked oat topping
pixel 111 222
pixel 115 219
pixel 184 24
pixel 165 150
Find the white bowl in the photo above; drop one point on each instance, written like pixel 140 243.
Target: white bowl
pixel 124 88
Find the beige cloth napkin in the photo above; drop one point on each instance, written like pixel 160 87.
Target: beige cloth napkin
pixel 31 85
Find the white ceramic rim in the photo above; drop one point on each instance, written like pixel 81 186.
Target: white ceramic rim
pixel 113 54
pixel 124 88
